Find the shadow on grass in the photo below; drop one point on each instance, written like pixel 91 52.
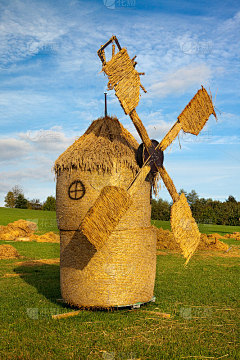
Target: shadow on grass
pixel 44 277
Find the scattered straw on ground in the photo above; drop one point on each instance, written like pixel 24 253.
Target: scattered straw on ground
pixel 8 252
pixel 23 230
pixel 234 235
pixel 48 237
pixel 165 240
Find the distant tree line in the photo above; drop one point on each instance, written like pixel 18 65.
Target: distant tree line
pixel 205 211
pixel 15 199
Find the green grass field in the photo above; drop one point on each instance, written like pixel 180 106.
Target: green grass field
pixel 46 221
pixel 203 300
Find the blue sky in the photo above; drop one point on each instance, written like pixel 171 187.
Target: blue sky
pixel 51 85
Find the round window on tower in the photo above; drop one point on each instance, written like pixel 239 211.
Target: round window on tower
pixel 76 190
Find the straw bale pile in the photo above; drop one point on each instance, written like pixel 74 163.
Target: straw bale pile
pixel 215 236
pixel 234 235
pixel 17 230
pixel 211 243
pixel 48 237
pixel 23 230
pixel 8 252
pixel 165 240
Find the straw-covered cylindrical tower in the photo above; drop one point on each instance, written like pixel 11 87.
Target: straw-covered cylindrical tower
pixel 122 272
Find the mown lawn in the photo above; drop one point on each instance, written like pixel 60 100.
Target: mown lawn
pixel 203 300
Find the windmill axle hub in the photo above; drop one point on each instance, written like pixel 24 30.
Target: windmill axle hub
pixel 156 159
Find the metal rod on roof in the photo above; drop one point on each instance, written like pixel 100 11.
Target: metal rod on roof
pixel 105 93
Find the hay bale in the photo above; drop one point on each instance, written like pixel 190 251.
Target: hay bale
pixel 23 230
pixel 220 246
pixel 32 226
pixel 8 252
pixel 121 273
pixel 21 226
pixel 104 156
pixel 17 229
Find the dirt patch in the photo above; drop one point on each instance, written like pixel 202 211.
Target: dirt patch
pixel 8 252
pixel 38 262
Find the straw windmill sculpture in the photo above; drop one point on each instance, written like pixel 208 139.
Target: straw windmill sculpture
pixel 125 80
pixel 108 246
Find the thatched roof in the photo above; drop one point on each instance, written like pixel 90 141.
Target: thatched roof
pixel 104 143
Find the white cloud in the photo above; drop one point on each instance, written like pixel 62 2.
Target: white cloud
pixel 13 149
pixel 182 80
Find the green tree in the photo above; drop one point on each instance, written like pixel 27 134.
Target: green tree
pixel 50 204
pixel 35 204
pixel 160 210
pixel 21 202
pixel 192 197
pixel 231 199
pixel 182 191
pixel 17 190
pixel 11 197
pixel 9 200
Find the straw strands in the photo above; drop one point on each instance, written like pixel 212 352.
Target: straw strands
pixel 184 227
pixel 166 240
pixel 104 141
pixel 124 79
pixel 140 128
pixel 109 208
pixel 122 272
pixel 170 136
pixel 105 215
pixel 196 113
pixel 114 210
pixel 8 252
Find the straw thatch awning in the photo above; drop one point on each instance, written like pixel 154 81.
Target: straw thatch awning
pixel 104 145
